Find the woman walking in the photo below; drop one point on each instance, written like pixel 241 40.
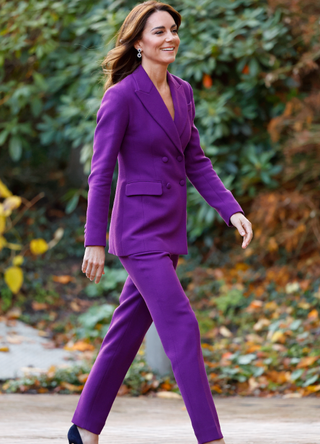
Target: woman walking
pixel 145 121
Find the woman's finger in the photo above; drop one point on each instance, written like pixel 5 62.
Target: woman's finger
pixel 93 270
pixel 84 265
pixel 248 233
pixel 99 274
pixel 89 268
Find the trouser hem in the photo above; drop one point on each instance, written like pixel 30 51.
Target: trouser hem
pixel 209 435
pixel 88 424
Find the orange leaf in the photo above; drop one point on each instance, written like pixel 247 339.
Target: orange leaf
pixel 253 348
pixel 213 375
pixel 246 70
pixel 254 305
pixel 307 361
pixel 313 314
pixel 271 305
pixel 313 388
pixel 81 346
pixel 278 377
pixel 226 355
pixel 39 305
pixel 207 81
pixel 42 390
pixel 83 378
pixel 216 388
pixel 72 387
pixel 166 386
pixel 123 390
pixel 63 279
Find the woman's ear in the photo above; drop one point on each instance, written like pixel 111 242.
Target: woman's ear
pixel 137 45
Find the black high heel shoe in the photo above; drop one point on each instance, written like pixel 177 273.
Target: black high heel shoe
pixel 74 435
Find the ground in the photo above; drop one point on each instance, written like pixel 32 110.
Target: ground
pixel 46 418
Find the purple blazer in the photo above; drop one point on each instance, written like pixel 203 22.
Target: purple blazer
pixel 156 155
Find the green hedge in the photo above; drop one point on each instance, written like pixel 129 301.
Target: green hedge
pixel 52 84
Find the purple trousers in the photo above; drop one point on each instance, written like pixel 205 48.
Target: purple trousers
pixel 152 292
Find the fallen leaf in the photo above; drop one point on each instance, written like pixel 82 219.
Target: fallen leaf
pixel 292 395
pixel 75 307
pixel 278 336
pixel 71 387
pixel 216 388
pixel 169 395
pixel 43 333
pixel 63 279
pixel 14 339
pixel 313 314
pixel 278 377
pixel 225 331
pixel 263 322
pixel 166 386
pixel 253 384
pixel 83 378
pixel 39 305
pixel 123 390
pixel 307 361
pixel 80 346
pixel 51 371
pixel 48 345
pixel 313 388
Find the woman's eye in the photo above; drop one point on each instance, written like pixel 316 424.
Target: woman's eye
pixel 175 30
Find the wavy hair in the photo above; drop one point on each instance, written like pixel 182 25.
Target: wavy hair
pixel 122 59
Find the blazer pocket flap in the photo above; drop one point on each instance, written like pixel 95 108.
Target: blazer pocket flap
pixel 151 188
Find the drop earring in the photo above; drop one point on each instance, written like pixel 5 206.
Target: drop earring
pixel 139 53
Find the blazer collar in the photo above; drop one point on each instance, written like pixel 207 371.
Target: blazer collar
pixel 153 102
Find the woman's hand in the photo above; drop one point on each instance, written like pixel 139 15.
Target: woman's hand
pixel 93 262
pixel 244 227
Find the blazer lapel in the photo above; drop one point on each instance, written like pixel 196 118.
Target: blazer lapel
pixel 153 102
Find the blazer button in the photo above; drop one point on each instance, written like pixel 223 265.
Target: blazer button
pixel 179 158
pixel 181 182
pixel 165 159
pixel 168 185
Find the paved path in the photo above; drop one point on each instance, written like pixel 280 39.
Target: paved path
pixel 45 419
pixel 28 350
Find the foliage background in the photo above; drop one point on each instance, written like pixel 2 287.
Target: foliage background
pixel 254 69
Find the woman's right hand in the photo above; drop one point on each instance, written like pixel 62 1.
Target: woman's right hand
pixel 93 262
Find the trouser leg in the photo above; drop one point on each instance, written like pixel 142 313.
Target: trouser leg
pixel 155 278
pixel 130 322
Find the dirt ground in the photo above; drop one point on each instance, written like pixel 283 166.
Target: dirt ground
pixel 46 418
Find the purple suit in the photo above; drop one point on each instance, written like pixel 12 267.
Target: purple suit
pixel 155 156
pixel 148 232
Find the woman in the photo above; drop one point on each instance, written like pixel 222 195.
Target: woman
pixel 145 121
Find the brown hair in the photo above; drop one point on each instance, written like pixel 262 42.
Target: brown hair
pixel 122 59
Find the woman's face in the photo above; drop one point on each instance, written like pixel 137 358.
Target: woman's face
pixel 160 32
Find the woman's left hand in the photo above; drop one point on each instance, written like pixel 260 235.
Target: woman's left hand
pixel 244 227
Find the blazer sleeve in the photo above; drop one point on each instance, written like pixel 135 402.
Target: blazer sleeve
pixel 203 177
pixel 112 121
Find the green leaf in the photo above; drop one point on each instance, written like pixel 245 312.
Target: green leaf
pixel 15 148
pixel 310 381
pixel 72 204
